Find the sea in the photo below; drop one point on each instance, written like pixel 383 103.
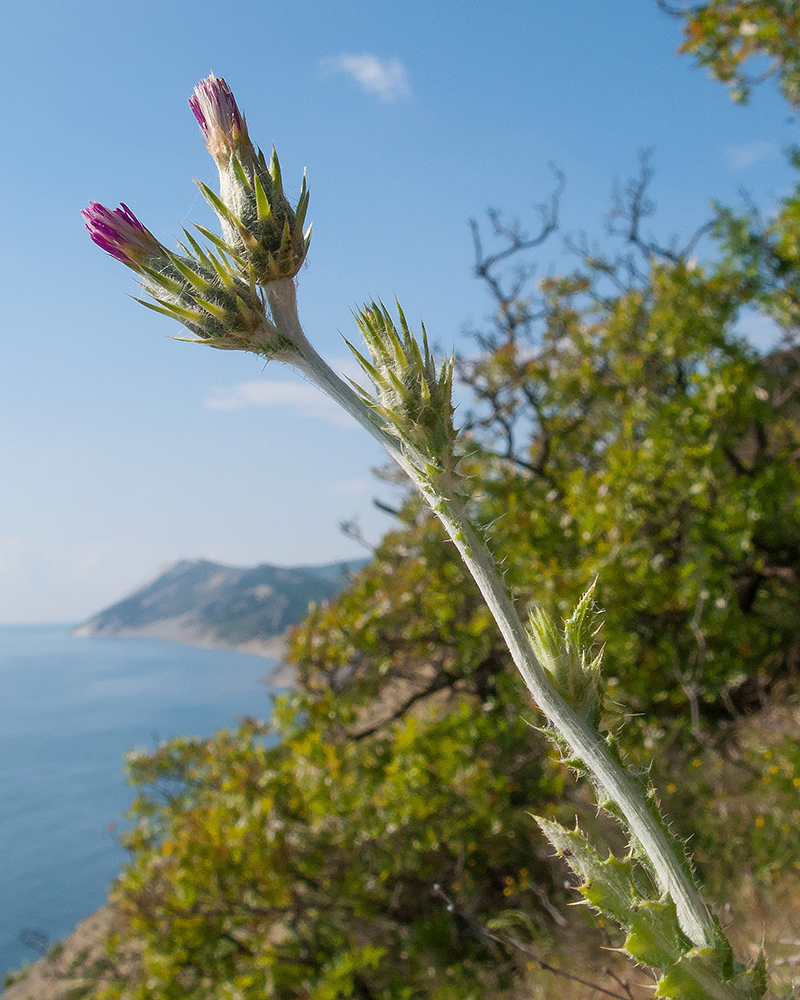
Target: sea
pixel 70 708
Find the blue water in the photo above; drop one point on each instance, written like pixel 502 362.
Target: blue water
pixel 69 710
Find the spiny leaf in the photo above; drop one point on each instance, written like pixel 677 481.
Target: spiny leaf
pixel 275 173
pixel 366 365
pixel 198 250
pixel 240 174
pixel 198 280
pixel 162 280
pixel 705 974
pixel 653 934
pixel 219 243
pixel 173 311
pixel 218 205
pixel 302 207
pixel 244 306
pixel 223 272
pixel 262 201
pixel 250 242
pixel 217 311
pixel 286 239
pixel 608 885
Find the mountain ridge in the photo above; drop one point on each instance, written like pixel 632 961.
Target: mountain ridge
pixel 203 603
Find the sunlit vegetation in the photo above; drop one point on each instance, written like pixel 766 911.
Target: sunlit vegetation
pixel 374 839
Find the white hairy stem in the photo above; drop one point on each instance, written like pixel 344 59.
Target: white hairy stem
pixel 584 742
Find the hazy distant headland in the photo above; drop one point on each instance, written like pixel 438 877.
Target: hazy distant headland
pixel 204 603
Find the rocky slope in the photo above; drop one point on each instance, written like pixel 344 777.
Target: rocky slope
pixel 77 967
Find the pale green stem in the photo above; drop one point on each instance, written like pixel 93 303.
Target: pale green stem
pixel 282 299
pixel 585 743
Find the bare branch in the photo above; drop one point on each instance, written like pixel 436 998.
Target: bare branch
pixel 516 241
pixel 671 10
pixel 633 206
pixel 351 528
pixel 387 508
pixel 485 933
pixel 440 683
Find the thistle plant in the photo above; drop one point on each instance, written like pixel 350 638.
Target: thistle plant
pixel 237 291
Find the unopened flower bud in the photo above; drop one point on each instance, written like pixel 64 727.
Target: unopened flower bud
pixel 222 124
pixel 258 221
pixel 216 298
pixel 413 394
pixel 570 656
pixel 120 233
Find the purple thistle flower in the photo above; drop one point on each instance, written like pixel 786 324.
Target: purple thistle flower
pixel 223 126
pixel 120 233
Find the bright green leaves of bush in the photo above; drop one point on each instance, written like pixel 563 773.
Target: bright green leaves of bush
pixel 307 867
pixel 725 35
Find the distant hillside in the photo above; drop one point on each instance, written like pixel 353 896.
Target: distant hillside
pixel 207 604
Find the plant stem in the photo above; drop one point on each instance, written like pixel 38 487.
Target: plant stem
pixel 282 299
pixel 584 743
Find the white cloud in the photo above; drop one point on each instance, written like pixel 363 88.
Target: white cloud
pixel 386 78
pixel 348 486
pixel 741 157
pixel 306 399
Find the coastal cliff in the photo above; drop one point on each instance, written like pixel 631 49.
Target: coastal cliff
pixel 200 603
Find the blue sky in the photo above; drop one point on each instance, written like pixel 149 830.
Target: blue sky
pixel 124 449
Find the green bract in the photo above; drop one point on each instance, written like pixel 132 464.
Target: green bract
pixel 412 393
pixel 213 295
pixel 568 655
pixel 257 218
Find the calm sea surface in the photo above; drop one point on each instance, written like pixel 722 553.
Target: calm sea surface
pixel 69 710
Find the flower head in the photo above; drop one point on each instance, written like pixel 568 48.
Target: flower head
pixel 214 295
pixel 413 394
pixel 258 221
pixel 222 124
pixel 120 233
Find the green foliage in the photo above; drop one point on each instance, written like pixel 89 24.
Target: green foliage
pixel 728 36
pixel 765 255
pixel 308 866
pixel 652 450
